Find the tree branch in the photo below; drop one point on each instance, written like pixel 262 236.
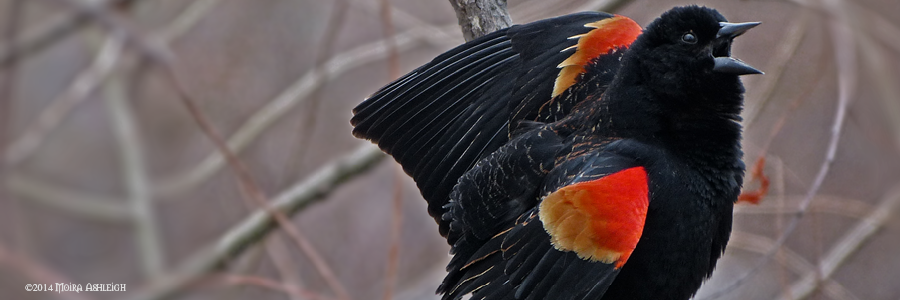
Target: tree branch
pixel 262 221
pixel 480 17
pixel 851 242
pixel 291 96
pixel 147 234
pixel 48 34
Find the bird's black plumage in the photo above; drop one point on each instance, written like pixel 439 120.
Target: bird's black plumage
pixel 489 143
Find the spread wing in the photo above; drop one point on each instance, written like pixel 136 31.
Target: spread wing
pixel 443 117
pixel 562 226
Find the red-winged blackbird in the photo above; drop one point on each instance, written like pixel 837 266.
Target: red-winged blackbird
pixel 575 157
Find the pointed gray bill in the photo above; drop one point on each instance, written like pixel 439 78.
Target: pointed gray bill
pixel 729 65
pixel 732 30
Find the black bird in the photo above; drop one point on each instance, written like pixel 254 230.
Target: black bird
pixel 576 157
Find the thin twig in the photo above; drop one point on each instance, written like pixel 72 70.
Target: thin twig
pixel 8 81
pixel 828 204
pixel 290 97
pixel 846 246
pixel 248 186
pixel 51 117
pixel 286 267
pixel 113 22
pixel 787 257
pixel 48 34
pixel 133 161
pixel 387 26
pixel 107 208
pixel 301 89
pixel 259 121
pixel 94 207
pixel 185 21
pixel 754 243
pixel 301 144
pixel 885 77
pixel 7 93
pixel 808 91
pixel 77 92
pixel 393 259
pixel 35 272
pixel 87 81
pixel 781 190
pixel 786 51
pixel 404 19
pixel 290 289
pixel 259 223
pixel 879 27
pixel 870 26
pixel 837 291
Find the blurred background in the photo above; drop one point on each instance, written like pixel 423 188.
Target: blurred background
pixel 114 115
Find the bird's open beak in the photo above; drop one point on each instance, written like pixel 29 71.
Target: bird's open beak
pixel 733 30
pixel 730 65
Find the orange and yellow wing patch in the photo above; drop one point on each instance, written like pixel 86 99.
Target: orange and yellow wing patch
pixel 608 34
pixel 600 220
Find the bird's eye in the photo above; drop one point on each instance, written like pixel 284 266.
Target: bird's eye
pixel 689 38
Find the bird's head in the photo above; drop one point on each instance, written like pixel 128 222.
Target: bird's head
pixel 690 47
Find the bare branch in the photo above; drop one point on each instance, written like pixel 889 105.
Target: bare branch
pixel 247 184
pixel 95 207
pixel 108 208
pixel 777 65
pixel 307 126
pixel 76 93
pixel 91 206
pixel 603 5
pixel 281 259
pixel 34 271
pixel 261 222
pixel 846 246
pixel 829 204
pixel 185 21
pixel 49 34
pixel 480 17
pixel 88 80
pixel 402 18
pixel 787 257
pixel 393 258
pixel 293 290
pixel 879 27
pixel 761 244
pixel 8 83
pixel 153 49
pixel 291 96
pixel 146 228
pixel 876 60
pixel 158 54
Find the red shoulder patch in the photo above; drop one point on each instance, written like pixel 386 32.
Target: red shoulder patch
pixel 600 220
pixel 608 34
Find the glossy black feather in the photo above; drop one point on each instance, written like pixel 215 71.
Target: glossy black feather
pixel 478 132
pixel 432 121
pixel 495 231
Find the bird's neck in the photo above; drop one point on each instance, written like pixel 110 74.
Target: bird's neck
pixel 692 124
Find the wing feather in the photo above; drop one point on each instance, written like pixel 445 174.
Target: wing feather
pixel 472 129
pixel 443 117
